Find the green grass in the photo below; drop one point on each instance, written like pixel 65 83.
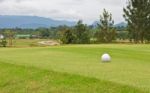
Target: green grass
pixel 27 42
pixel 20 79
pixel 128 72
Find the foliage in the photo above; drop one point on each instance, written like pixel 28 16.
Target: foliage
pixel 137 14
pixel 44 32
pixel 3 43
pixel 147 36
pixel 106 31
pixel 78 34
pixel 68 37
pixel 81 33
pixel 9 34
pixel 122 35
pixel 121 28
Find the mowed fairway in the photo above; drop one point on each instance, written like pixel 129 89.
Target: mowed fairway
pixel 75 69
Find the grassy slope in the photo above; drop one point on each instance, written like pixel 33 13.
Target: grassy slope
pixel 130 64
pixel 20 79
pixel 27 42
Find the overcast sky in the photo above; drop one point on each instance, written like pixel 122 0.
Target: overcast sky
pixel 87 10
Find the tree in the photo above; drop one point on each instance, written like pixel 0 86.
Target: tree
pixel 67 37
pixel 122 35
pixel 81 33
pixel 137 14
pixel 3 42
pixel 147 35
pixel 106 31
pixel 10 35
pixel 44 32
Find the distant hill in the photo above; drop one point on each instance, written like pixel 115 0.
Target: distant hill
pixel 95 23
pixel 30 22
pixel 121 24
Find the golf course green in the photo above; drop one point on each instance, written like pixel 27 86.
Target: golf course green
pixel 75 69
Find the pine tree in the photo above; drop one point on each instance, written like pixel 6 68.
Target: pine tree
pixel 82 33
pixel 137 14
pixel 106 31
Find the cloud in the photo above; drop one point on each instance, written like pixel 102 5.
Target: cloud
pixel 2 0
pixel 87 10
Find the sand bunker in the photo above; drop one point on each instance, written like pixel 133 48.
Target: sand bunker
pixel 49 43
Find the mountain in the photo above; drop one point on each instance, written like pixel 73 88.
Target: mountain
pixel 121 24
pixel 95 24
pixel 7 21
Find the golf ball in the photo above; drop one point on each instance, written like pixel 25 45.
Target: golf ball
pixel 105 58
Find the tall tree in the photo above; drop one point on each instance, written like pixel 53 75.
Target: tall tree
pixel 137 14
pixel 82 33
pixel 10 35
pixel 106 31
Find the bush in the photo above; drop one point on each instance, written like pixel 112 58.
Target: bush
pixel 3 43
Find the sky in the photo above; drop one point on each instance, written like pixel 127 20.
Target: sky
pixel 71 10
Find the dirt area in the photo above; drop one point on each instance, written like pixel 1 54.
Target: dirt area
pixel 49 43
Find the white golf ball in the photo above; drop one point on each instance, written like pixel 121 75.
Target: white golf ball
pixel 106 58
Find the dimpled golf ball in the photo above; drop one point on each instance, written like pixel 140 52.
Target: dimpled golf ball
pixel 105 58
